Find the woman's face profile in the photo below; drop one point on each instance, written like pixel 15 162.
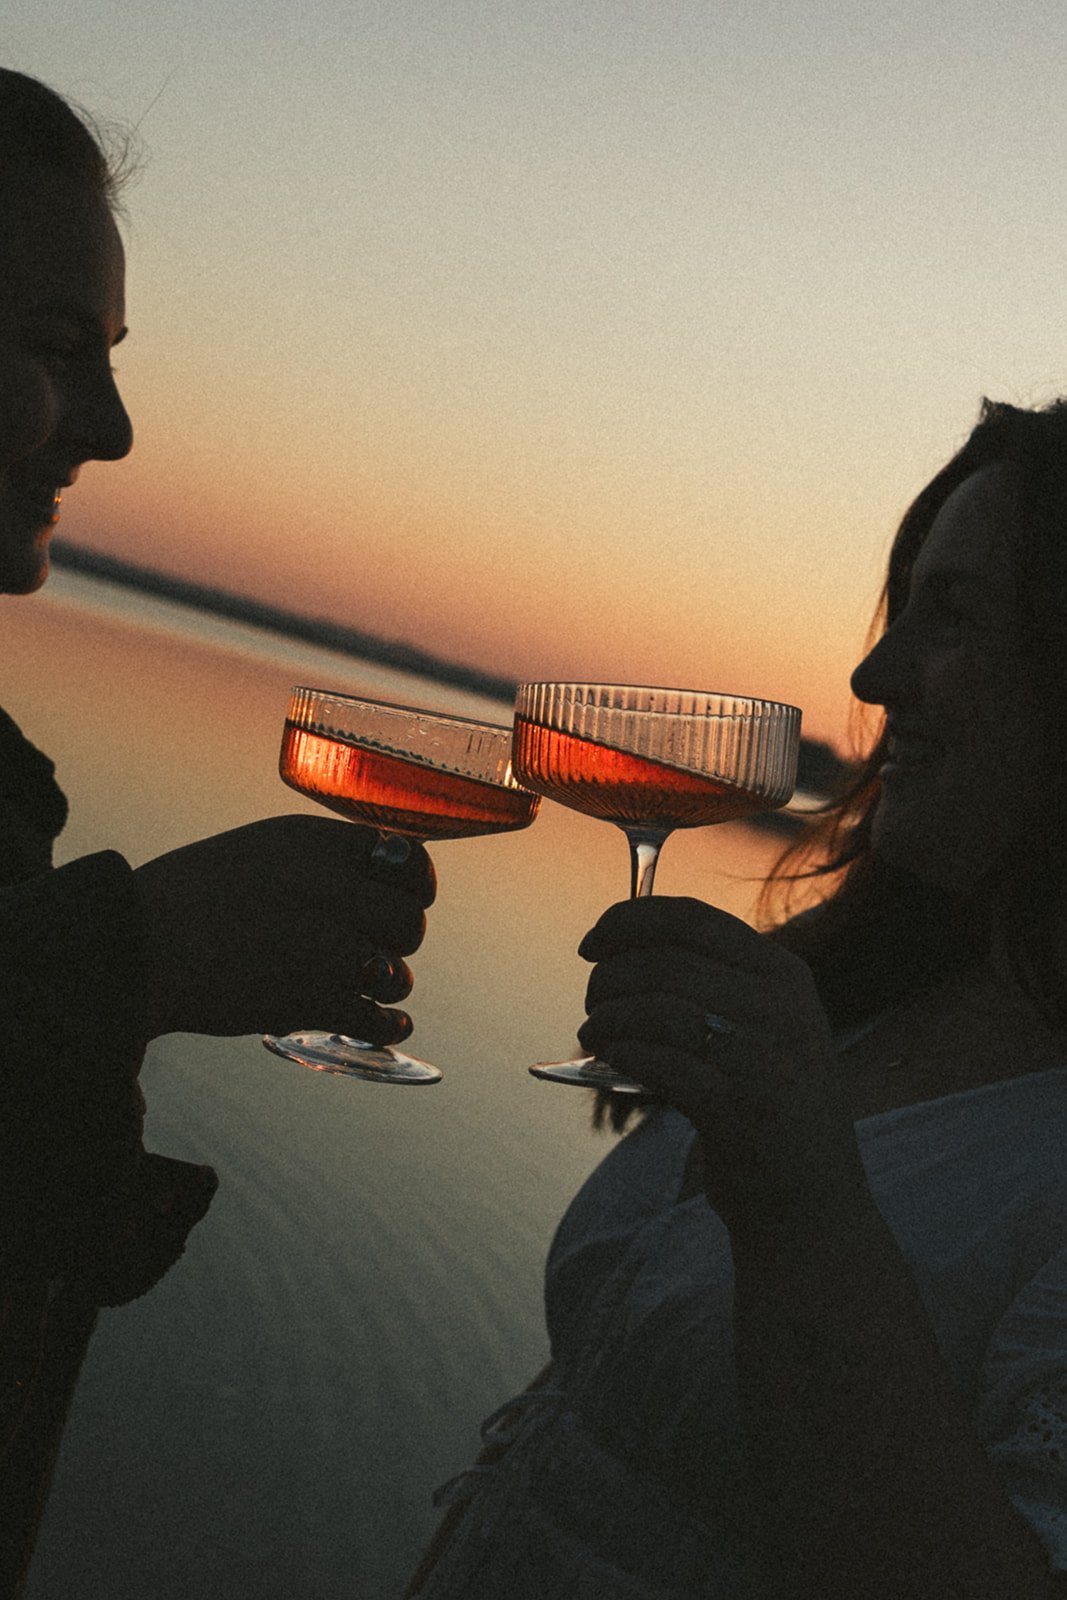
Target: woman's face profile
pixel 966 749
pixel 62 310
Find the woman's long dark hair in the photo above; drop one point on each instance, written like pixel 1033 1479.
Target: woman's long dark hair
pixel 878 934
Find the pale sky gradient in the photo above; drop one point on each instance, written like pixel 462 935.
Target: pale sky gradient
pixel 599 339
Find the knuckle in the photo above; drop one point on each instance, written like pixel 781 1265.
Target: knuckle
pixel 384 979
pixel 412 932
pixel 603 985
pixel 403 982
pixel 402 1023
pixel 379 1025
pixel 428 885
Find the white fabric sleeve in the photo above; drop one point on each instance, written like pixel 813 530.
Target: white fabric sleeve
pixel 1022 1411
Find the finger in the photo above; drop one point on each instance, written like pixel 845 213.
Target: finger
pixel 349 1014
pixel 392 858
pixel 392 919
pixel 392 850
pixel 667 970
pixel 707 983
pixel 677 921
pixel 373 1024
pixel 383 977
pixel 693 1085
pixel 652 1019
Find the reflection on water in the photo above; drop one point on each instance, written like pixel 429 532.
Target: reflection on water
pixel 270 1421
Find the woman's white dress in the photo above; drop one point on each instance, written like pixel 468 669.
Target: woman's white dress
pixel 590 1497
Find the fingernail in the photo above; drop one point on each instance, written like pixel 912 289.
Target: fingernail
pixel 404 1024
pixel 392 850
pixel 377 970
pixel 717 1024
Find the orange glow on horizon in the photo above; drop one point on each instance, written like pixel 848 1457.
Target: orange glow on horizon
pixel 568 591
pixel 568 353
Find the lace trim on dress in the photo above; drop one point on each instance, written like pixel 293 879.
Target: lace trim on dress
pixel 1032 1462
pixel 567 1520
pixel 499 1429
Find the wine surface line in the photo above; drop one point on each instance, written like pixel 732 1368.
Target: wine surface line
pixel 401 796
pixel 617 786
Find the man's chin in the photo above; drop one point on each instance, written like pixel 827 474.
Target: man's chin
pixel 24 580
pixel 25 571
pixel 40 577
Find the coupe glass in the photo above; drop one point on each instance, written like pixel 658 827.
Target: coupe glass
pixel 650 760
pixel 418 774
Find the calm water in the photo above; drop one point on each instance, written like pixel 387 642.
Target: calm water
pixel 271 1420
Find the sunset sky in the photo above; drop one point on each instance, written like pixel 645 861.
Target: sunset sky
pixel 605 338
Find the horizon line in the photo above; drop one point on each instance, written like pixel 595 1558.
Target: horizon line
pixel 820 765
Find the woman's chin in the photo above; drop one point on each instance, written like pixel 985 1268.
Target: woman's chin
pixel 953 864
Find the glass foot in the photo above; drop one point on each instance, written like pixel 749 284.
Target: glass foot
pixel 587 1073
pixel 351 1058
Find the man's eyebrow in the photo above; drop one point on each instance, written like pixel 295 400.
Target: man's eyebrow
pixel 75 313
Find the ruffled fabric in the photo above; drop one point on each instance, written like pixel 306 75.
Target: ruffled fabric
pixel 1022 1417
pixel 563 1518
pixel 593 1491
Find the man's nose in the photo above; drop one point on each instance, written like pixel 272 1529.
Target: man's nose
pixel 99 426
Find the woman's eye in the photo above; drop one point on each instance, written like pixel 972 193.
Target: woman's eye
pixel 959 614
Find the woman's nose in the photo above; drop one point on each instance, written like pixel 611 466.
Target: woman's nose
pixel 881 678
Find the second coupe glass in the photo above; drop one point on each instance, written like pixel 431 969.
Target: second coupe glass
pixel 650 760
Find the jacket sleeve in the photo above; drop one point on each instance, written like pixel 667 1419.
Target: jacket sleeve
pixel 71 1043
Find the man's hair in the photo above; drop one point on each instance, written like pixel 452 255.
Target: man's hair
pixel 39 129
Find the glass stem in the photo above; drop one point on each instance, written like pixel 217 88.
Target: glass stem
pixel 645 846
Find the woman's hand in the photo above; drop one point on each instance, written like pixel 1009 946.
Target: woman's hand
pixel 727 1027
pixel 291 922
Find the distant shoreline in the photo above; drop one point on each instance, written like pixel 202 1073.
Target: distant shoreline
pixel 273 619
pixel 820 769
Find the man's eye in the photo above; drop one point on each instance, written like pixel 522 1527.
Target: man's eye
pixel 60 340
pixel 56 349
